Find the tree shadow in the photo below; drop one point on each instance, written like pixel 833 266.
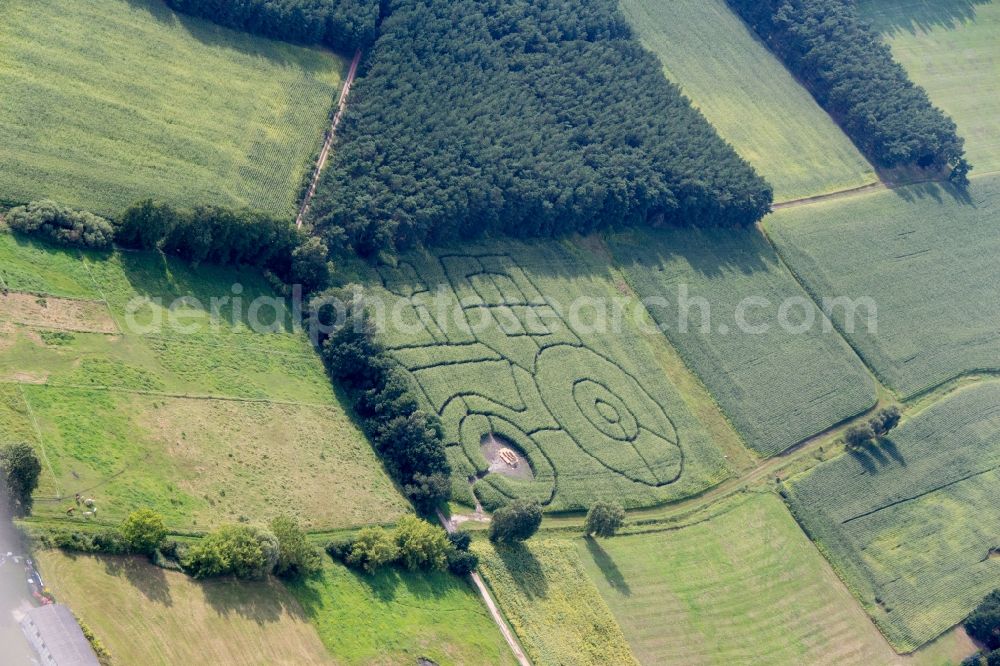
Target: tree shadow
pixel 934 190
pixel 895 16
pixel 524 569
pixel 219 37
pixel 146 578
pixel 874 456
pixel 229 293
pixel 608 567
pixel 261 602
pixel 890 447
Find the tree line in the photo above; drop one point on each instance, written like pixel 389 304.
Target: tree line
pixel 409 439
pixel 526 118
pixel 204 233
pixel 343 25
pixel 852 74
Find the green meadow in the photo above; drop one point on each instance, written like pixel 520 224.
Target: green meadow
pixel 750 98
pixel 950 47
pixel 211 423
pixel 110 101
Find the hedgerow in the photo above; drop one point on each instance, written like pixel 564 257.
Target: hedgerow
pixel 853 75
pixel 226 236
pixel 408 439
pixel 526 118
pixel 340 24
pixel 59 224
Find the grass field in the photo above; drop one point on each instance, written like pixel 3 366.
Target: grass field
pixel 581 397
pixel 743 587
pixel 778 384
pixel 928 261
pixel 950 47
pixel 750 98
pixel 396 617
pixel 110 101
pixel 217 425
pixel 548 600
pixel 147 615
pixel 912 523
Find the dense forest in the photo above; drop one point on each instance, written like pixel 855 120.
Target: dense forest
pixel 529 118
pixel 343 25
pixel 853 75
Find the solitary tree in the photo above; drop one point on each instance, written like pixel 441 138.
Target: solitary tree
pixel 143 531
pixel 20 469
pixel 858 435
pixel 604 519
pixel 517 521
pixel 884 421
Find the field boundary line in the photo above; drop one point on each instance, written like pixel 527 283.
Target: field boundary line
pixel 41 439
pixel 328 143
pixel 805 201
pixel 179 396
pixel 100 291
pixel 491 604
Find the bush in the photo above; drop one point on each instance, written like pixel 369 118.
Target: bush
pixel 238 550
pixel 604 519
pixel 460 540
pixel 20 469
pixel 105 542
pixel 421 545
pixel 296 556
pixel 143 531
pixel 517 521
pixel 884 421
pixel 858 435
pixel 462 563
pixel 853 75
pixel 339 548
pixel 309 265
pixel 226 236
pixel 372 549
pixel 984 623
pixel 59 224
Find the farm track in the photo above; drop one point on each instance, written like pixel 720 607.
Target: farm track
pixel 491 604
pixel 328 144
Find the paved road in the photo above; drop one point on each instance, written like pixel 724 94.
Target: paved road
pixel 14 597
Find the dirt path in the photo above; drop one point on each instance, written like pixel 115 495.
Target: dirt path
pixel 870 187
pixel 325 153
pixel 484 592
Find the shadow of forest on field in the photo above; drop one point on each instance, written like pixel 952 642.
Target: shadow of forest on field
pixel 209 34
pixel 894 16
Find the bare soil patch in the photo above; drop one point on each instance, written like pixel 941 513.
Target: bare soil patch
pixel 56 313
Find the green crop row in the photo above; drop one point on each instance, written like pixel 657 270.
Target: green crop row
pixel 587 408
pixel 911 521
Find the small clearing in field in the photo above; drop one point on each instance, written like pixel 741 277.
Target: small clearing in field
pixel 56 313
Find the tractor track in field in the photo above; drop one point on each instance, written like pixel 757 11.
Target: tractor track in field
pixel 328 143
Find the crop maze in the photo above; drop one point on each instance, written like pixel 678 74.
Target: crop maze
pixel 492 356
